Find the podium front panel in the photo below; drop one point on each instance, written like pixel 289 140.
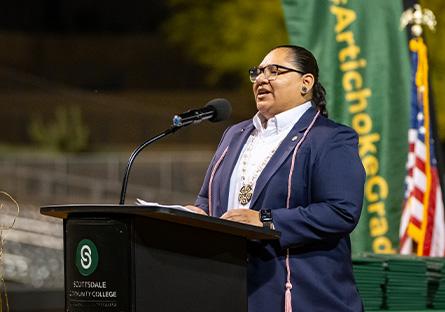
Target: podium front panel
pixel 182 268
pixel 97 265
pixel 133 259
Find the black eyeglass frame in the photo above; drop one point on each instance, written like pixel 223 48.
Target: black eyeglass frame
pixel 261 71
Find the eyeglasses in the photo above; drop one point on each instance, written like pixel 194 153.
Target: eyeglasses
pixel 270 72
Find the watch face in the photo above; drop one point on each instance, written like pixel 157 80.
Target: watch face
pixel 266 215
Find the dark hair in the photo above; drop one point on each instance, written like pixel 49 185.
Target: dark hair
pixel 305 61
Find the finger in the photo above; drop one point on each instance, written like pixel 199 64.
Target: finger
pixel 196 209
pixel 228 214
pixel 237 218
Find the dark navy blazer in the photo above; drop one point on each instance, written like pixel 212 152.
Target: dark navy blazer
pixel 325 205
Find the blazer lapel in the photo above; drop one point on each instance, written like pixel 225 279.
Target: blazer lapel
pixel 228 165
pixel 282 153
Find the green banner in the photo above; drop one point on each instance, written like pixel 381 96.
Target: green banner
pixel 365 68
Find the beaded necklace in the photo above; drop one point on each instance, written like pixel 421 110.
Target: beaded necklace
pixel 246 191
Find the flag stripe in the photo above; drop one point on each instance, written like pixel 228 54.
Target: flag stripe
pixel 419 179
pixel 431 213
pixel 420 164
pixel 418 194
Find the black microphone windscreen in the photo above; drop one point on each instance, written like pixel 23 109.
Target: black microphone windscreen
pixel 222 108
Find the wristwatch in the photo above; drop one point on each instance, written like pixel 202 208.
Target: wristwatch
pixel 266 218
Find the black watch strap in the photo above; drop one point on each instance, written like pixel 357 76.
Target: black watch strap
pixel 266 218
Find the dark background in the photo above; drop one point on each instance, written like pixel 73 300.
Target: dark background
pixel 112 60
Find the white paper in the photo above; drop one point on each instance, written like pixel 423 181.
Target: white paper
pixel 177 207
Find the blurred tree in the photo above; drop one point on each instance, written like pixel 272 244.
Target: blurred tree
pixel 436 46
pixel 230 36
pixel 67 132
pixel 226 36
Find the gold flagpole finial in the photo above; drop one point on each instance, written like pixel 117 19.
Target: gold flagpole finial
pixel 417 17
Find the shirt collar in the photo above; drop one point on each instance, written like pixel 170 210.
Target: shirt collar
pixel 281 121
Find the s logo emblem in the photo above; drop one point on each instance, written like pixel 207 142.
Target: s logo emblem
pixel 87 257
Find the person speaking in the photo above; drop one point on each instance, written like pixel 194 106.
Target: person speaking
pixel 292 169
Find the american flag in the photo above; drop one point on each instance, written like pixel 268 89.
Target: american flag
pixel 422 226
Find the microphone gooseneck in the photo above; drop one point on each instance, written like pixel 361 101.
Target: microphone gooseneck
pixel 133 157
pixel 215 110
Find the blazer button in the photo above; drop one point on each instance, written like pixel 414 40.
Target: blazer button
pixel 295 138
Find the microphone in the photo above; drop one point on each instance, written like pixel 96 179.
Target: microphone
pixel 218 109
pixel 215 110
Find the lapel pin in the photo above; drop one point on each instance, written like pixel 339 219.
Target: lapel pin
pixel 294 138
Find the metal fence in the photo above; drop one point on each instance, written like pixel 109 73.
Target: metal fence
pixel 170 177
pixel 33 250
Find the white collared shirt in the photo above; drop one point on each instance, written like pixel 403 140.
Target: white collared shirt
pixel 265 139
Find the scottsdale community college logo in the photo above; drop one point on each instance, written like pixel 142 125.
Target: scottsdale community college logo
pixel 87 257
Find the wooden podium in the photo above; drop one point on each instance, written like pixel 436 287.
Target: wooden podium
pixel 138 258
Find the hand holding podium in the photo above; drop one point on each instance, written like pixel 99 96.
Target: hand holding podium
pixel 242 215
pixel 196 209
